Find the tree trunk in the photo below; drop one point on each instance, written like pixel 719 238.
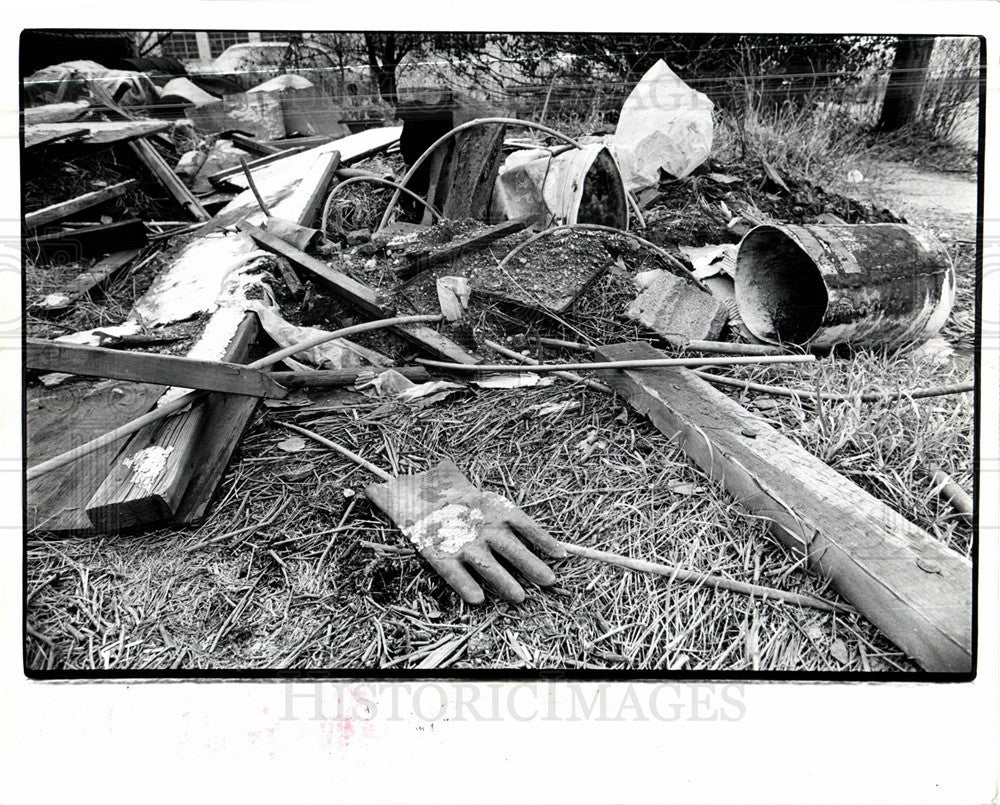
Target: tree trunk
pixel 383 66
pixel 905 89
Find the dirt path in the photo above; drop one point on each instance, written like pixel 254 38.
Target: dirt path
pixel 945 203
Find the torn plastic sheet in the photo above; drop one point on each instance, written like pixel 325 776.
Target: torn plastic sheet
pixel 663 125
pixel 337 354
pixel 392 384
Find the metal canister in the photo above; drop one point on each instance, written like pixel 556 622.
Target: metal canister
pixel 864 284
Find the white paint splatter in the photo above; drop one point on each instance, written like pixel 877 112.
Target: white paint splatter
pixel 447 530
pixel 148 465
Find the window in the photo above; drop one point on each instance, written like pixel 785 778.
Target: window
pixel 218 41
pixel 182 45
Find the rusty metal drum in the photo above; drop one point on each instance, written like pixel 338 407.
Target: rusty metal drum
pixel 867 284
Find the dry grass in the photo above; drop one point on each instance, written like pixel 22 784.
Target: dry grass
pixel 295 569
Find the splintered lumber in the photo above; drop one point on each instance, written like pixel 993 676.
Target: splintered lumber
pixel 428 258
pixel 190 451
pixel 87 281
pixel 463 173
pixel 676 309
pixel 62 418
pixel 361 296
pixel 72 244
pixel 187 451
pixel 911 586
pixel 148 367
pixel 161 170
pixel 64 209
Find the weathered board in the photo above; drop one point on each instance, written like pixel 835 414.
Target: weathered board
pixel 149 367
pixel 87 281
pixel 64 209
pixel 61 418
pixel 912 587
pixel 94 132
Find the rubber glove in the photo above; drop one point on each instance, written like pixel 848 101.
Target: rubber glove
pixel 453 524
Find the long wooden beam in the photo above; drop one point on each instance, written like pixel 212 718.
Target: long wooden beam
pixel 910 585
pixel 150 367
pixel 158 166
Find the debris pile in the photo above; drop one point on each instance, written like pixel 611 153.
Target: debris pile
pixel 258 247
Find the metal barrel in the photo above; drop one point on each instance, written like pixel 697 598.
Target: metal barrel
pixel 865 284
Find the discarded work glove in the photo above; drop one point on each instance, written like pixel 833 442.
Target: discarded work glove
pixel 452 524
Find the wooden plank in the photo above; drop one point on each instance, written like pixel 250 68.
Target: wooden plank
pixel 195 446
pixel 361 296
pixel 219 178
pixel 96 132
pixel 151 158
pixel 72 244
pixel 66 416
pixel 84 283
pixel 912 587
pixel 149 367
pixel 36 136
pixel 304 203
pixel 421 261
pixel 64 209
pixel 226 417
pixel 358 294
pixel 147 481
